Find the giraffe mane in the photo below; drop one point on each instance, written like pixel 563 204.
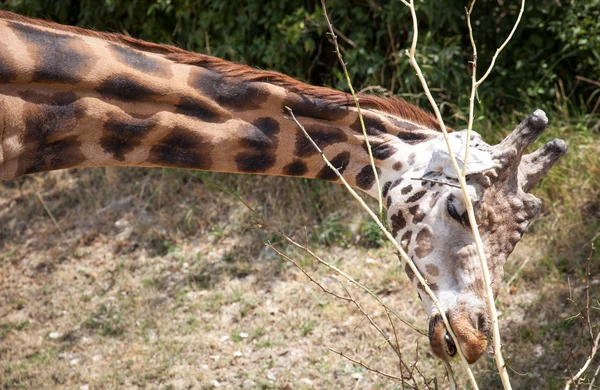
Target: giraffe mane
pixel 395 106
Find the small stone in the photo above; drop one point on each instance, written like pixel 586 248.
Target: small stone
pixel 74 362
pixel 306 381
pixel 215 383
pixel 238 354
pixel 244 335
pixel 54 335
pixel 96 358
pixel 249 384
pixel 224 338
pixel 84 387
pixel 357 375
pixel 369 260
pixel 538 350
pixel 270 375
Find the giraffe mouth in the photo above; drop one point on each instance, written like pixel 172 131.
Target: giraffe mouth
pixel 471 338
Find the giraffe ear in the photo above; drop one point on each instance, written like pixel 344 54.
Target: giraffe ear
pixel 479 160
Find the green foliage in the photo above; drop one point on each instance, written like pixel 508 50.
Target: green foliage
pixel 332 231
pixel 371 235
pixel 557 40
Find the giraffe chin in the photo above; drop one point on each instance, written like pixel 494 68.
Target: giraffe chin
pixel 473 342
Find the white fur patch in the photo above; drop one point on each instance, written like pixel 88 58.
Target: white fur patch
pixel 479 161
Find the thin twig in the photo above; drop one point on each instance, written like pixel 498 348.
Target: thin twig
pixel 307 275
pixel 357 103
pixel 575 379
pixel 373 323
pixel 450 375
pixel 585 318
pixel 594 378
pixel 62 233
pixel 400 362
pixel 589 81
pixel 435 181
pixel 360 363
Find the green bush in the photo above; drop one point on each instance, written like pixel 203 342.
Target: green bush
pixel 557 40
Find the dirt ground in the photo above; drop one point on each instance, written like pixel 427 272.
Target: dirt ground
pixel 156 279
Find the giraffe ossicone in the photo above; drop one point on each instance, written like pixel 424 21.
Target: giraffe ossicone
pixel 74 98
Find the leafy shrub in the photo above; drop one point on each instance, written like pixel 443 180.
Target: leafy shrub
pixel 557 40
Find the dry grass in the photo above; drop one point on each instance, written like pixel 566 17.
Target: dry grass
pixel 163 281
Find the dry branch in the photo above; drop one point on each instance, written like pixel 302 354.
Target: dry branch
pixel 357 103
pixel 585 318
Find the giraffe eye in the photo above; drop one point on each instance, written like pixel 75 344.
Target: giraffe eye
pixel 452 209
pixel 463 218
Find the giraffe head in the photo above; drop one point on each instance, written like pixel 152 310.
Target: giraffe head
pixel 429 220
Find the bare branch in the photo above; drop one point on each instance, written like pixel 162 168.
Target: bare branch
pixel 307 275
pixel 356 102
pixel 360 363
pixel 585 318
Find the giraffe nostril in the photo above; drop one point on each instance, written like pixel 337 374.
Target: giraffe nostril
pixel 483 324
pixel 450 346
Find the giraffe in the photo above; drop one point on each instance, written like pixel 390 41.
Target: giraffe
pixel 74 98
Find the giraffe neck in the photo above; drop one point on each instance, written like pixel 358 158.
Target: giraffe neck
pixel 74 98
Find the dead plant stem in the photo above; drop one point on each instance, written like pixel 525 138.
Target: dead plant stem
pixel 357 103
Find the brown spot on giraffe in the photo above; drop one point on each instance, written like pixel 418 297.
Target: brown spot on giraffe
pixel 141 61
pixel 322 135
pixel 416 196
pixel 233 94
pixel 432 270
pixel 8 68
pixel 182 148
pixel 417 213
pixel 197 109
pixel 380 150
pixel 409 272
pixel 366 178
pixel 123 133
pixel 373 126
pixel 259 143
pixel 340 161
pixel 313 107
pixel 411 158
pixel 406 189
pixel 396 183
pixel 397 166
pixel 295 168
pixel 413 137
pixel 424 246
pixel 59 58
pixel 398 222
pixel 49 121
pixel 434 199
pixel 386 188
pixel 126 88
pixel 405 240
